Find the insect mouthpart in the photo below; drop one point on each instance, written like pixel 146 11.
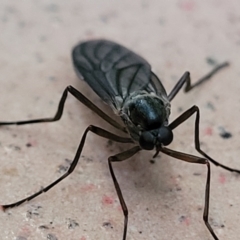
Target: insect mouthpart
pixel 155 138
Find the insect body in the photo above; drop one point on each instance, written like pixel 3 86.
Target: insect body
pixel 124 81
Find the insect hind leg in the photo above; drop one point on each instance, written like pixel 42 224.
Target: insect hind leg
pixel 195 159
pixel 183 117
pixel 187 79
pixel 98 131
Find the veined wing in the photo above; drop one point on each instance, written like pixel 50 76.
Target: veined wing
pixel 113 71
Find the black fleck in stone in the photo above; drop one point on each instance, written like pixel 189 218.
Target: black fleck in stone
pixel 224 134
pixel 51 236
pixel 21 238
pixel 72 224
pixel 152 161
pixel 43 227
pixel 107 225
pixel 211 61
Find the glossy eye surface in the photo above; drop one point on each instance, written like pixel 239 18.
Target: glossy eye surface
pixel 165 135
pixel 147 140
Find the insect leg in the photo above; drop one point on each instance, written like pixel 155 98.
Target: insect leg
pixel 186 79
pixel 118 158
pixel 98 131
pixel 194 159
pixel 183 117
pixel 59 112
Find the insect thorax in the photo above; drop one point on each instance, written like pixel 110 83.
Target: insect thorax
pixel 144 112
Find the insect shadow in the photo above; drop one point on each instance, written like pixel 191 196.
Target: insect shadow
pixel 124 81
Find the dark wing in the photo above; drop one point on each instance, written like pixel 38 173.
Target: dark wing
pixel 113 71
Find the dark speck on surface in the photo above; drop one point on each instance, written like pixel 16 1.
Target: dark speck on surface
pixel 22 24
pixel 42 38
pixel 21 238
pixel 43 227
pixel 224 134
pixel 52 78
pixel 162 21
pixel 51 236
pixel 14 147
pixel 52 8
pixel 211 61
pixel 107 225
pixel 210 106
pixel 152 161
pixel 34 211
pixel 72 224
pixel 180 109
pixel 87 159
pixel 109 143
pixel 62 168
pixel 196 174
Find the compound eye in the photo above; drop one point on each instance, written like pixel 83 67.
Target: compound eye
pixel 165 135
pixel 147 141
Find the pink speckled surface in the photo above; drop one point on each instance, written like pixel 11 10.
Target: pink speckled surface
pixel 164 199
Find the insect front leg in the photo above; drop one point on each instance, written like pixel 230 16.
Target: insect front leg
pixel 186 79
pixel 194 159
pixel 59 112
pixel 98 131
pixel 183 117
pixel 118 158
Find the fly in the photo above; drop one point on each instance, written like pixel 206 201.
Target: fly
pixel 124 81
